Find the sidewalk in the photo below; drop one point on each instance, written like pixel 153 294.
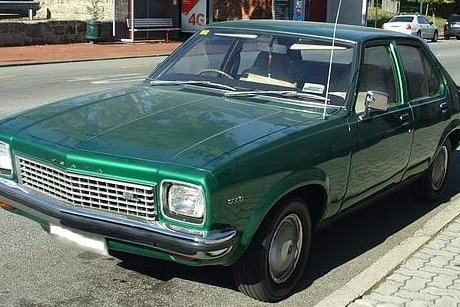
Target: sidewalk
pixel 421 271
pixel 36 54
pixel 424 270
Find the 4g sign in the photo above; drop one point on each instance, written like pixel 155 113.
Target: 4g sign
pixel 197 19
pixel 193 15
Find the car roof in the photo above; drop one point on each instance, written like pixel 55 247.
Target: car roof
pixel 308 28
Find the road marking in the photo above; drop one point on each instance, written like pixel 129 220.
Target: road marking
pixel 135 66
pixel 119 80
pixel 107 79
pixel 7 77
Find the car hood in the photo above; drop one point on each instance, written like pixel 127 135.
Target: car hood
pixel 160 124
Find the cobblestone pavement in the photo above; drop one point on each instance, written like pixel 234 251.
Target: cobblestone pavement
pixel 430 277
pixel 422 271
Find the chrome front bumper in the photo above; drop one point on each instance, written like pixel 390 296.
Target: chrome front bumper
pixel 152 235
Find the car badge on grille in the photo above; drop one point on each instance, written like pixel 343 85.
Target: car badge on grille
pixel 129 196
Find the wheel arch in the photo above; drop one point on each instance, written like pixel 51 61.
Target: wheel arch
pixel 452 133
pixel 311 186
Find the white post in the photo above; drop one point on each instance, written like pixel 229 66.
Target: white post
pixel 113 18
pixel 132 20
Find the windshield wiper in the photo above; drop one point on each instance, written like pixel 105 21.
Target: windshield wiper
pixel 192 82
pixel 284 94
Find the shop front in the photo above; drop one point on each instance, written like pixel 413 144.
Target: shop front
pixel 188 16
pixel 196 13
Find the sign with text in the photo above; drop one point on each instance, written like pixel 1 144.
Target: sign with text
pixel 193 15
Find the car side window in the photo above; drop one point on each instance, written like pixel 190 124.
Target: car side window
pixel 375 74
pixel 422 80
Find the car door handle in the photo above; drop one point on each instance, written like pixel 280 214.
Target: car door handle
pixel 405 119
pixel 444 107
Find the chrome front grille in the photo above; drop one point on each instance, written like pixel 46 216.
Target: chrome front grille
pixel 111 196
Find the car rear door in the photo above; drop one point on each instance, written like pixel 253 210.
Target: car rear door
pixel 427 94
pixel 426 28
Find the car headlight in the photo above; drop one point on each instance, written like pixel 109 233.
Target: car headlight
pixel 183 202
pixel 6 167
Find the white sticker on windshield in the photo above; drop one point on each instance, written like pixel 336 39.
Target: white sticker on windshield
pixel 313 88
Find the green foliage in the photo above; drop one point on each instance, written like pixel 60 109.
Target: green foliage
pixel 377 17
pixel 439 8
pixel 95 9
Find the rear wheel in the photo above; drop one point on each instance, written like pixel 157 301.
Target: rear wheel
pixel 446 37
pixel 419 34
pixel 432 184
pixel 271 267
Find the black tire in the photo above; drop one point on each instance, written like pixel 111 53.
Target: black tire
pixel 446 37
pixel 457 37
pixel 433 182
pixel 434 39
pixel 271 267
pixel 419 34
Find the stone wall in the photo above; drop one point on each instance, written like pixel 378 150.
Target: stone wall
pixel 20 33
pixel 72 9
pixel 64 21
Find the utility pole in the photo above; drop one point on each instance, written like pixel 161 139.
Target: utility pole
pixel 376 15
pixel 421 7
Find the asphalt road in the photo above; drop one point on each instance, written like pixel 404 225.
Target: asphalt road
pixel 38 271
pixel 22 87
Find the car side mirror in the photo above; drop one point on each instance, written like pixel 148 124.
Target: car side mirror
pixel 375 101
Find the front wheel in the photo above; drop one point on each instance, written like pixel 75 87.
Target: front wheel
pixel 433 182
pixel 271 267
pixel 434 39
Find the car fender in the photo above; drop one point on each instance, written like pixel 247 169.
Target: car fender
pixel 286 186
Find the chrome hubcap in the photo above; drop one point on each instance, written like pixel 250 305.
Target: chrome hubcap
pixel 439 168
pixel 285 248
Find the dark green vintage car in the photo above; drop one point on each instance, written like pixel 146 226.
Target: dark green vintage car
pixel 237 147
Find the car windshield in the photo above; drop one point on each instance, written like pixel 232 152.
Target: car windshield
pixel 401 19
pixel 261 63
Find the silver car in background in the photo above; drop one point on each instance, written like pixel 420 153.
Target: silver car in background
pixel 413 24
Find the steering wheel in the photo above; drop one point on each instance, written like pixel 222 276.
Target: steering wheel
pixel 220 72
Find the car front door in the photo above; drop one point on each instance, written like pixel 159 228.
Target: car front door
pixel 382 139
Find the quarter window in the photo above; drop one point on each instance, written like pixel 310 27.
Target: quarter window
pixel 422 80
